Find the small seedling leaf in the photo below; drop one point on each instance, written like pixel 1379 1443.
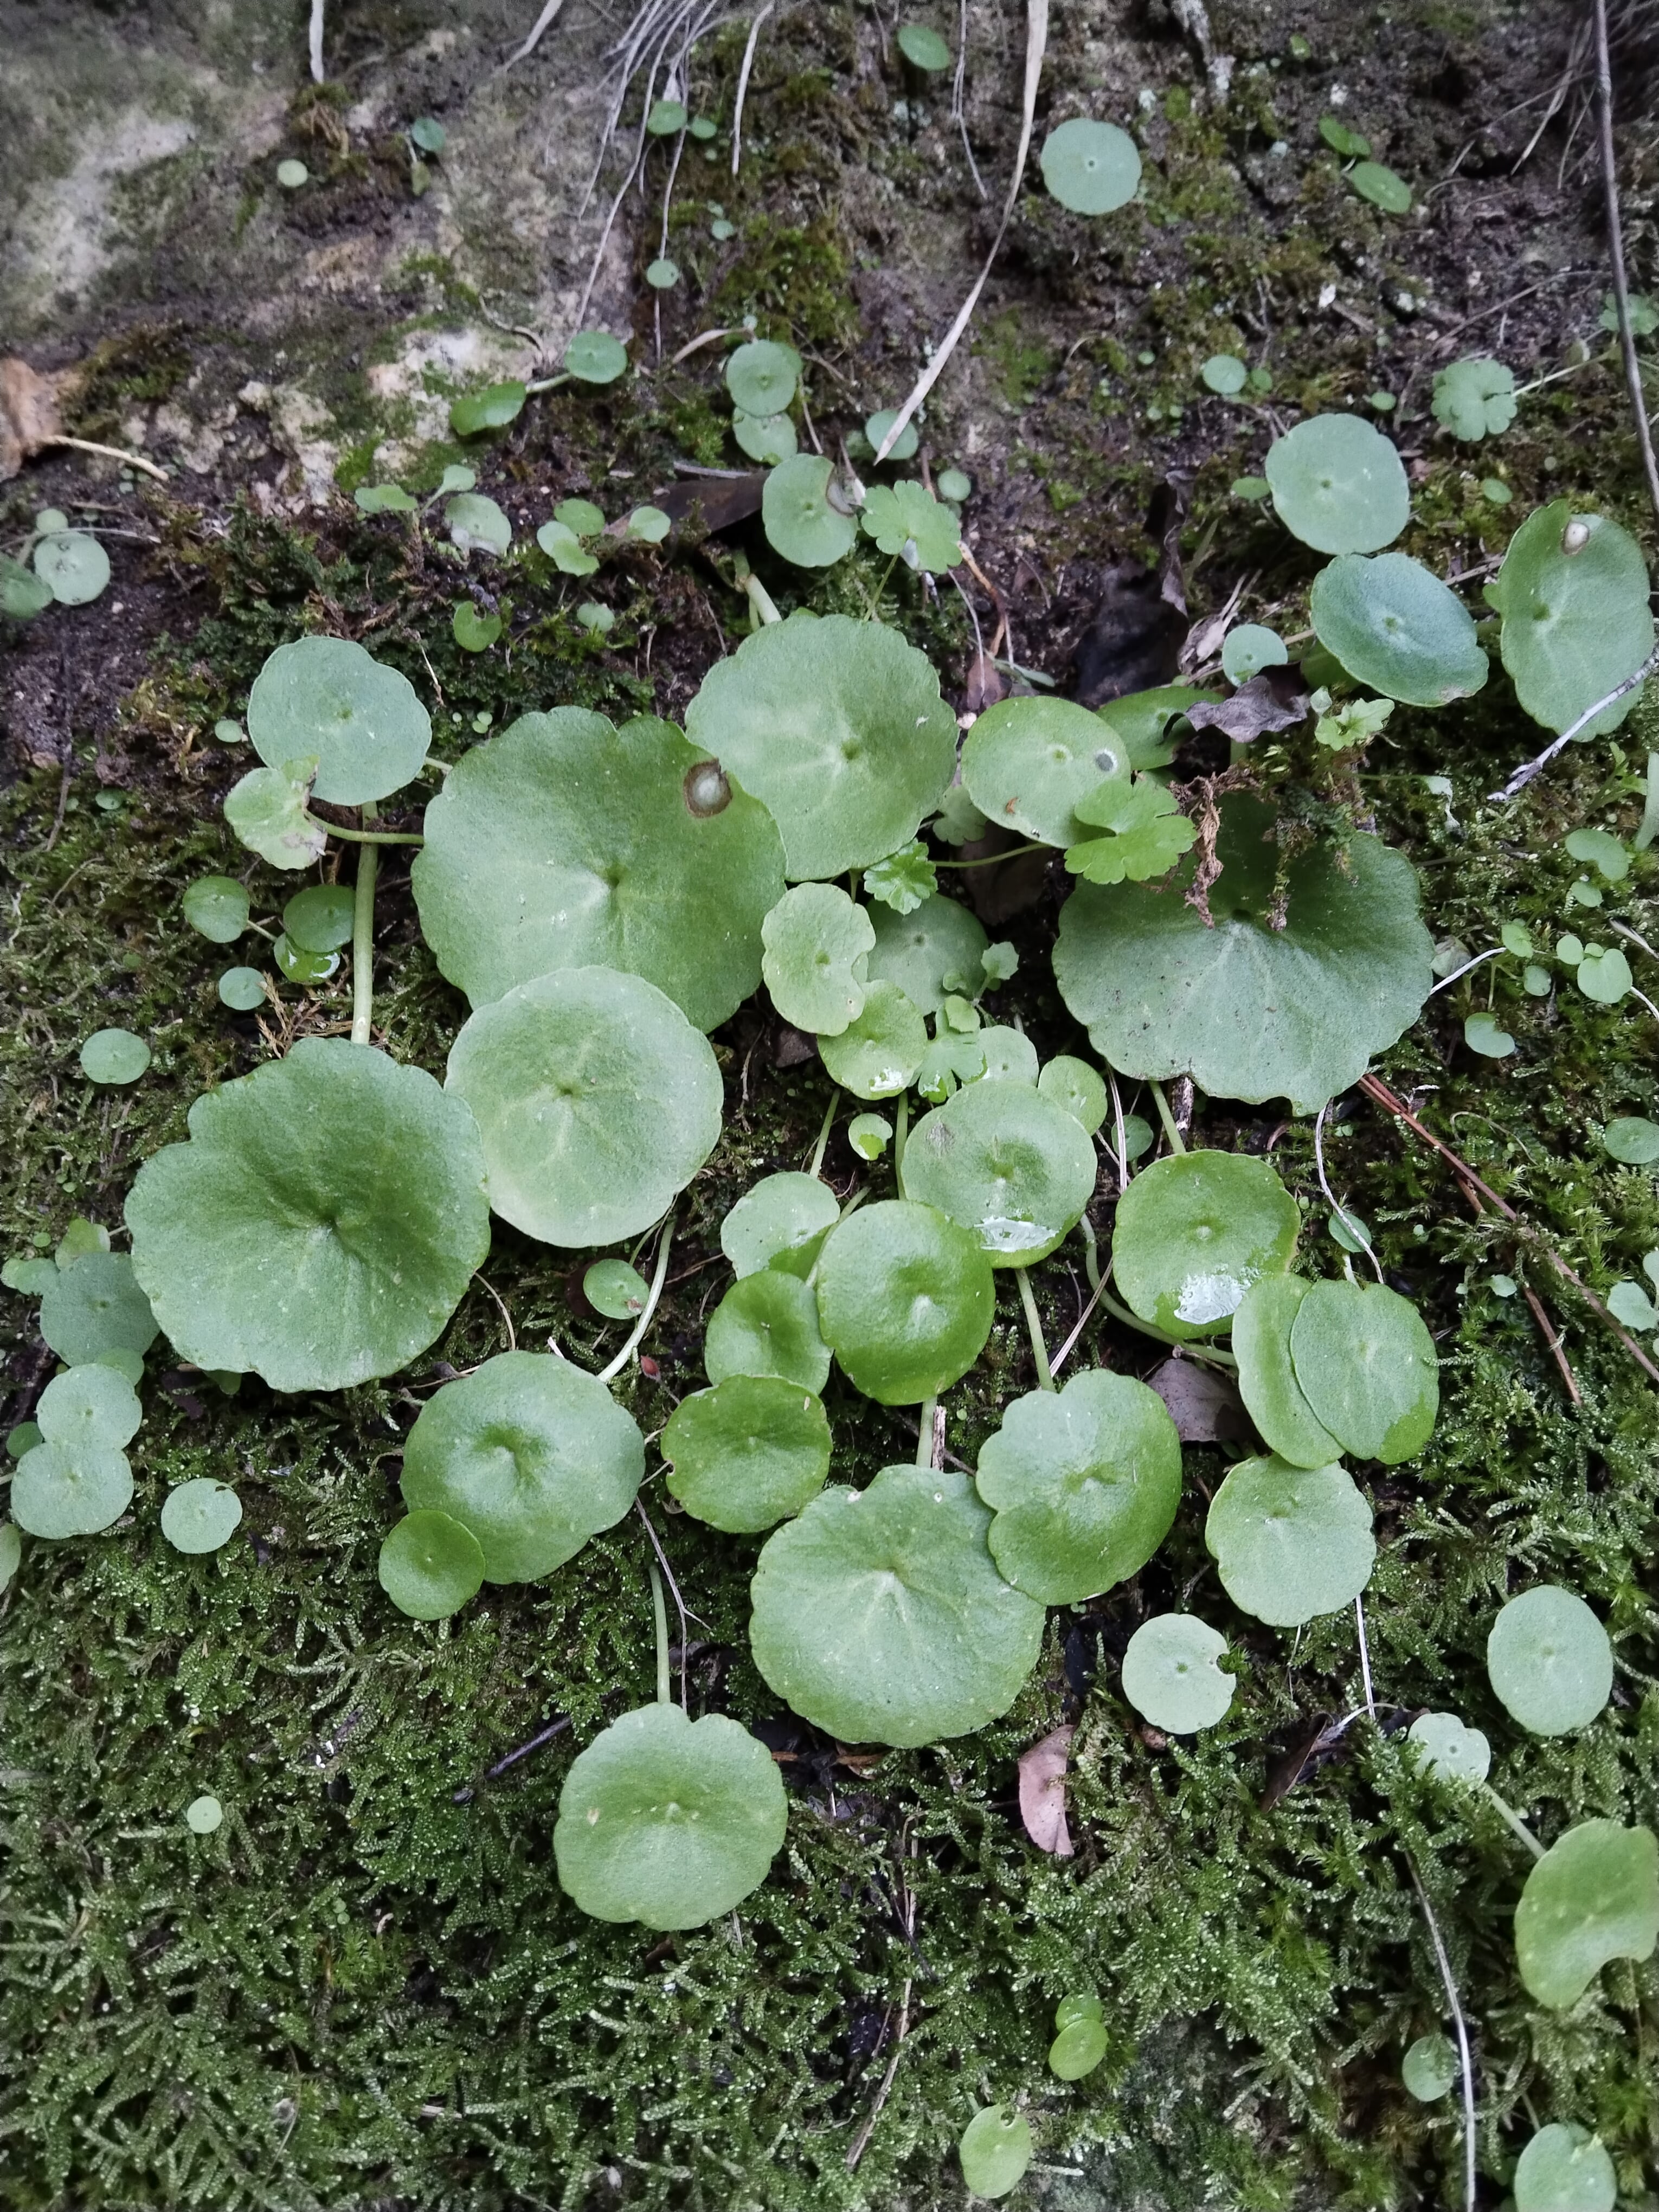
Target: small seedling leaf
pixel 995 2150
pixel 881 1051
pixel 1366 1365
pixel 200 1516
pixel 1549 1660
pixel 1090 167
pixel 1172 1673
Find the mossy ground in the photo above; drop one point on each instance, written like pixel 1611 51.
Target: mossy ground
pixel 366 1989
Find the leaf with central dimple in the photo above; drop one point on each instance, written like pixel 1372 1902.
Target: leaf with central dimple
pixel 70 1490
pixel 1397 628
pixel 1266 1380
pixel 753 1450
pixel 1576 623
pixel 596 1099
pixel 880 1053
pixel 801 521
pixel 90 1405
pixel 566 843
pixel 1083 1483
pixel 779 1222
pixel 1290 1542
pixel 816 942
pixel 94 1307
pixel 919 950
pixel 326 698
pixel 1594 1896
pixel 838 727
pixel 1193 1233
pixel 879 1615
pixel 1027 762
pixel 906 1300
pixel 320 1225
pixel 1338 485
pixel 1549 1660
pixel 531 1455
pixel 768 1324
pixel 1171 1675
pixel 669 1821
pixel 1010 1165
pixel 1366 1365
pixel 762 375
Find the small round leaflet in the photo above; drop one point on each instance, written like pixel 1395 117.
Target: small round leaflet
pixel 1077 2049
pixel 430 1565
pixel 881 1053
pixel 1451 1751
pixel 73 566
pixel 1027 762
pixel 995 2150
pixel 96 1306
pixel 530 1454
pixel 203 1814
pixel 1633 1141
pixel 1249 648
pixel 932 950
pixel 327 699
pixel 216 908
pixel 880 1617
pixel 767 439
pixel 1564 2168
pixel 1008 1164
pixel 1290 1542
pixel 1428 2068
pixel 12 1553
pixel 200 1516
pixel 318 920
pixel 1593 1897
pixel 1339 484
pixel 761 376
pixel 91 1405
pixel 596 1101
pixel 906 1300
pixel 614 1288
pixel 779 1222
pixel 114 1056
pixel 801 521
pixel 1266 1380
pixel 1366 1365
pixel 1383 186
pixel 595 357
pixel 816 942
pixel 1090 167
pixel 1226 374
pixel 1080 1089
pixel 923 48
pixel 1549 1660
pixel 669 1821
pixel 70 1490
pixel 1573 595
pixel 768 1324
pixel 1193 1232
pixel 242 989
pixel 1172 1675
pixel 1398 629
pixel 749 1453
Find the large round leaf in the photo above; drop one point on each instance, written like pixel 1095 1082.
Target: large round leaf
pixel 1084 1482
pixel 1249 1009
pixel 1193 1232
pixel 749 1452
pixel 880 1617
pixel 838 727
pixel 1266 1380
pixel 566 843
pixel 1573 593
pixel 531 1455
pixel 596 1098
pixel 327 699
pixel 934 949
pixel 1395 626
pixel 1366 1365
pixel 1549 1660
pixel 1338 485
pixel 668 1820
pixel 320 1225
pixel 1007 1164
pixel 1290 1542
pixel 96 1306
pixel 1594 1896
pixel 1028 761
pixel 906 1300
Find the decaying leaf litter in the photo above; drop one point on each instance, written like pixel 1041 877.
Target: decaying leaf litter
pixel 1058 1578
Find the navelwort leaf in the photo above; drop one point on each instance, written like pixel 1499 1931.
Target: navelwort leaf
pixel 1573 594
pixel 429 1565
pixel 216 907
pixel 94 1307
pixel 1338 485
pixel 880 1052
pixel 477 525
pixel 801 522
pixel 1172 1674
pixel 905 1300
pixel 1397 628
pixel 1549 1660
pixel 73 566
pixel 995 2150
pixel 70 1490
pixel 1193 1232
pixel 1564 2168
pixel 925 949
pixel 779 1222
pixel 1450 1751
pixel 1090 167
pixel 1366 1365
pixel 1428 2068
pixel 762 376
pixel 767 1324
pixel 1290 1542
pixel 752 1451
pixel 1027 762
pixel 1010 1166
pixel 267 810
pixel 326 699
pixel 816 942
pixel 1267 1379
pixel 201 1515
pixel 1593 1897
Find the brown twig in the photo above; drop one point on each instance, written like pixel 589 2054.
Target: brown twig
pixel 861 2141
pixel 1552 1338
pixel 1616 254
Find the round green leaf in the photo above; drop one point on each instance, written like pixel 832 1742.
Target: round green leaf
pixel 1397 628
pixel 1603 974
pixel 1249 648
pixel 595 617
pixel 752 1451
pixel 662 275
pixel 96 1306
pixel 22 595
pixel 1594 1896
pixel 1193 1232
pixel 1564 2168
pixel 1349 144
pixel 767 439
pixel 30 1275
pixel 216 907
pixel 1339 484
pixel 1078 2049
pixel 954 484
pixel 768 1324
pixel 492 409
pixel 430 1565
pixel 242 989
pixel 869 1134
pixel 564 547
pixel 1010 1166
pixel 877 425
pixel 1249 1009
pixel 319 921
pixel 1090 167
pixel 596 1099
pixel 327 699
pixel 91 1405
pixel 70 1490
pixel 935 948
pixel 666 118
pixel 1290 1542
pixel 320 1225
pixel 73 566
pixel 1010 1055
pixel 429 134
pixel 1549 1660
pixel 1084 1482
pixel 1027 762
pixel 762 376
pixel 816 942
pixel 203 1814
pixel 801 522
pixel 995 2150
pixel 1079 2006
pixel 1267 1379
pixel 1450 1751
pixel 614 1288
pixel 565 843
pixel 1428 2068
pixel 1224 372
pixel 669 1821
pixel 23 1439
pixel 1482 1034
pixel 384 499
pixel 1376 182
pixel 291 175
pixel 303 967
pixel 530 1454
pixel 477 525
pixel 268 810
pixel 1475 399
pixel 923 48
pixel 1080 1089
pixel 835 725
pixel 201 1515
pixel 1631 1139
pixel 114 1056
pixel 779 1222
pixel 595 357
pixel 880 1617
pixel 1172 1675
pixel 906 1300
pixel 648 525
pixel 1366 1365
pixel 472 631
pixel 1573 594
pixel 881 1053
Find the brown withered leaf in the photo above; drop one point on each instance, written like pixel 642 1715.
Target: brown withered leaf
pixel 984 686
pixel 1204 1406
pixel 713 503
pixel 1043 1792
pixel 1275 700
pixel 30 412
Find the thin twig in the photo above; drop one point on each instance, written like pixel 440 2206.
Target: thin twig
pixel 512 1334
pixel 1524 775
pixel 318 74
pixel 958 106
pixel 1351 1222
pixel 1552 1342
pixel 1466 2065
pixel 1365 1657
pixel 1616 254
pixel 743 83
pixel 544 22
pixel 62 806
pixel 114 454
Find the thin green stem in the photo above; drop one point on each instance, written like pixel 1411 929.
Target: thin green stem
pixel 761 604
pixel 1034 1325
pixel 660 1275
pixel 989 860
pixel 1177 1142
pixel 887 577
pixel 1513 1821
pixel 1211 1353
pixel 367 836
pixel 1091 1251
pixel 547 383
pixel 901 1130
pixel 824 1128
pixel 925 1433
pixel 362 945
pixel 659 1607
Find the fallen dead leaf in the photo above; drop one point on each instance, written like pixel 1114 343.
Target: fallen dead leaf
pixel 30 415
pixel 1043 1792
pixel 1272 701
pixel 1203 1404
